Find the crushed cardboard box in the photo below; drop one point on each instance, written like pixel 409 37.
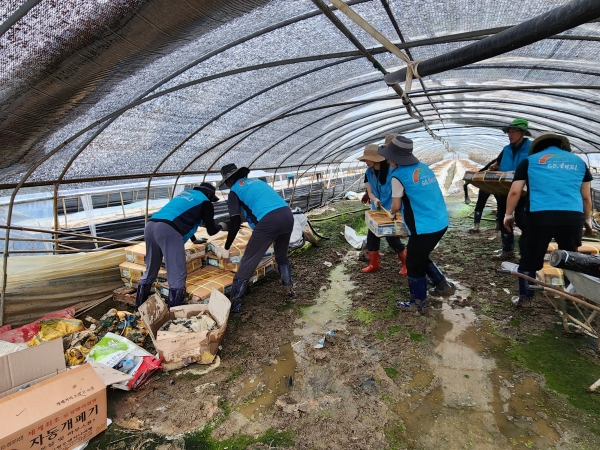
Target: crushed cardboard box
pixel 200 283
pixel 181 349
pixel 59 413
pixel 381 225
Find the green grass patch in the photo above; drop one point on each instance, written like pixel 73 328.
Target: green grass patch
pixel 394 329
pixel 515 322
pixel 235 373
pixel 567 371
pixel 381 336
pixel 417 337
pixel 395 436
pixel 391 372
pixel 363 315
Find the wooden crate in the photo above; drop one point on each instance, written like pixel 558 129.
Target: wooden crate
pixel 492 182
pixel 381 225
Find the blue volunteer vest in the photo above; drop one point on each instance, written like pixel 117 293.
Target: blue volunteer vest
pixel 382 191
pixel 426 199
pixel 257 197
pixel 555 178
pixel 178 206
pixel 509 162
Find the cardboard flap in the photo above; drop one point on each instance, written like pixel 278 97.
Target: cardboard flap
pixel 154 313
pixel 108 375
pixel 218 307
pixel 31 365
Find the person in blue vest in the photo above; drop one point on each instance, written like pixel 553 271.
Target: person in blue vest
pixel 272 222
pixel 511 156
pixel 558 203
pixel 482 198
pixel 378 184
pixel 416 194
pixel 166 233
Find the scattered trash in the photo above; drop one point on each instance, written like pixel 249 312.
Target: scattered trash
pixel 506 290
pixel 351 195
pixel 321 342
pixel 27 332
pixel 195 324
pixel 327 263
pixel 51 329
pixel 355 240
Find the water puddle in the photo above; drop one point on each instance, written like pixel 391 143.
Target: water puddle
pixel 330 310
pixel 464 400
pixel 276 379
pixel 328 313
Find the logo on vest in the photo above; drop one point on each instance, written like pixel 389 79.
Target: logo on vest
pixel 425 180
pixel 553 161
pixel 241 182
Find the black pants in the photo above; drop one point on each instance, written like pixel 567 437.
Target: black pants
pixel 508 237
pixel 275 228
pixel 394 242
pixel 568 237
pixel 482 199
pixel 419 248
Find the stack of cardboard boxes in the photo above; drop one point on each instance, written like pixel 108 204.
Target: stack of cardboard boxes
pixel 205 267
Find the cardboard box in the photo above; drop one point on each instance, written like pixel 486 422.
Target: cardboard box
pixel 493 182
pixel 182 349
pixel 30 366
pixel 551 275
pixel 267 265
pixel 137 253
pixel 587 247
pixel 200 283
pixel 132 272
pixel 381 225
pixel 59 413
pixel 125 295
pixel 238 247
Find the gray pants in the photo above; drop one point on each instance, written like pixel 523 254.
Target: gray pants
pixel 162 239
pixel 275 228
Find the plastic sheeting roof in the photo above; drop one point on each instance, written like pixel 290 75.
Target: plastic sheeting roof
pixel 119 88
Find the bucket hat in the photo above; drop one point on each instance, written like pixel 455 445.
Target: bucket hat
pixel 370 154
pixel 389 138
pixel 519 123
pixel 229 170
pixel 564 142
pixel 399 151
pixel 209 190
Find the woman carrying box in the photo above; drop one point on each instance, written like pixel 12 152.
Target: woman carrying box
pixel 272 222
pixel 166 233
pixel 417 195
pixel 378 184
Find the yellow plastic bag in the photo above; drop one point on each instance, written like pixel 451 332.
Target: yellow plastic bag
pixel 54 328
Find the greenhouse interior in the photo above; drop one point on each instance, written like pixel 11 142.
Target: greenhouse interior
pixel 289 123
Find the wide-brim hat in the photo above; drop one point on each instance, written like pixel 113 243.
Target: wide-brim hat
pixel 209 190
pixel 229 170
pixel 370 154
pixel 564 142
pixel 521 124
pixel 399 151
pixel 389 138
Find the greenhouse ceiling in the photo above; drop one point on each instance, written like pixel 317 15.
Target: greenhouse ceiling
pixel 119 89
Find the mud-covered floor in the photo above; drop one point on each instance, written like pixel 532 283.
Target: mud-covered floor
pixel 456 379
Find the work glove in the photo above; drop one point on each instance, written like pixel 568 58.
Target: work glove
pixel 224 226
pixel 392 215
pixel 377 203
pixel 365 199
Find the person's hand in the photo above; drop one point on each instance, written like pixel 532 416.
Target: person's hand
pixel 225 256
pixel 224 226
pixel 494 166
pixel 589 231
pixel 193 239
pixel 509 222
pixel 392 215
pixel 365 199
pixel 377 203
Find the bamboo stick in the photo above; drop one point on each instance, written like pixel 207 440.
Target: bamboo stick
pixel 67 233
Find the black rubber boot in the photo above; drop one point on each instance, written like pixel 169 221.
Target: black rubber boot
pixel 443 288
pixel 238 290
pixel 143 292
pixel 176 297
pixel 285 271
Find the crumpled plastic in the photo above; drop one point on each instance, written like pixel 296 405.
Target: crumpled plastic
pixel 27 332
pixel 196 324
pixel 55 328
pixel 126 324
pixel 78 346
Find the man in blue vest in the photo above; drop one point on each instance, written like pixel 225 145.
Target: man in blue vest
pixel 272 222
pixel 511 156
pixel 166 233
pixel 558 203
pixel 378 184
pixel 417 196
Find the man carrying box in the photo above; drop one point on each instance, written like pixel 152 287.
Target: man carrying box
pixel 166 233
pixel 272 222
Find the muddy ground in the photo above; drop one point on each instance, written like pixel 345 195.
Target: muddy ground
pixel 475 374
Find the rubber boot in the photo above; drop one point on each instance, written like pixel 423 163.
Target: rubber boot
pixel 143 292
pixel 508 247
pixel 402 258
pixel 285 271
pixel 418 295
pixel 525 294
pixel 476 220
pixel 176 297
pixel 238 290
pixel 374 260
pixel 443 288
